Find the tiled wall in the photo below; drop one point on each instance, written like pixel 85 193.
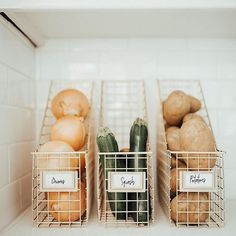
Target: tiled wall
pixel 213 61
pixel 17 122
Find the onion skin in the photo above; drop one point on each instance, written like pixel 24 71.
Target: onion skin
pixel 70 129
pixel 54 161
pixel 70 102
pixel 74 201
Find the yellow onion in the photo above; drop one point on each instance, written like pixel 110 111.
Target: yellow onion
pixel 70 102
pixel 70 129
pixel 52 159
pixel 61 204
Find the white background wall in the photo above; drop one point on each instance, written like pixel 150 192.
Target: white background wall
pixel 17 123
pixel 213 61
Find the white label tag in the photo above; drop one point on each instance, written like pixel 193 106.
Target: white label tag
pixel 199 181
pixel 126 181
pixel 55 181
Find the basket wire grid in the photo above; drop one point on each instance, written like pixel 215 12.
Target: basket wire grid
pixel 120 106
pixel 77 204
pixel 192 213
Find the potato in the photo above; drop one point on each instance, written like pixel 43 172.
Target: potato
pixel 173 179
pixel 195 104
pixel 196 136
pixel 166 125
pixel 191 116
pixel 176 107
pixel 198 210
pixel 174 162
pixel 172 138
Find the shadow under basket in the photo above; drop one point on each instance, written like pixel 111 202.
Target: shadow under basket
pixel 69 203
pixel 191 184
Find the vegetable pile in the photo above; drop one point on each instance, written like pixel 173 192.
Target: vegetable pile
pixel 137 202
pixel 187 131
pixel 70 107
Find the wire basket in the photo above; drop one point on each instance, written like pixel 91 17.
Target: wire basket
pixel 121 103
pixel 185 204
pixel 71 206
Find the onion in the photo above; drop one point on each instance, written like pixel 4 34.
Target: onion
pixel 70 129
pixel 55 160
pixel 70 102
pixel 62 203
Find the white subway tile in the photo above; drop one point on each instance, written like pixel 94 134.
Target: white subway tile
pixel 26 191
pixel 157 44
pixel 226 68
pixel 227 127
pixel 81 64
pixel 19 89
pixel 4 166
pixel 98 44
pixel 52 65
pixel 20 159
pixel 18 125
pixel 3 84
pixel 230 176
pixel 15 52
pixel 211 44
pixel 220 94
pixel 10 206
pixel 228 145
pixel 42 90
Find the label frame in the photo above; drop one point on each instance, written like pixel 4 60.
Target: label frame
pixel 43 174
pixel 182 187
pixel 140 189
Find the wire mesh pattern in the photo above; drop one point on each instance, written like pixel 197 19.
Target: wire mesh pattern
pixel 120 106
pixel 68 208
pixel 191 208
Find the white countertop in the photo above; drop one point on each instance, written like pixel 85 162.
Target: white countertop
pixel 23 226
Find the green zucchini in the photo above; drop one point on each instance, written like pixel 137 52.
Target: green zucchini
pixel 107 143
pixel 138 141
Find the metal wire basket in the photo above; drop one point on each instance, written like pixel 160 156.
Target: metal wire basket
pixel 70 207
pixel 121 103
pixel 185 204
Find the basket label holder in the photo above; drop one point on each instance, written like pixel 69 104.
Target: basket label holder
pixel 126 181
pixel 57 181
pixel 198 181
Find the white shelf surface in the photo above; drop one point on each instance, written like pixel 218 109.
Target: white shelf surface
pixel 126 23
pixel 23 226
pixel 114 4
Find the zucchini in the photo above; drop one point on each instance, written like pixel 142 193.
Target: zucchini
pixel 138 141
pixel 107 143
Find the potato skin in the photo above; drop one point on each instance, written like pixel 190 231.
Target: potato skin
pixel 191 116
pixel 200 207
pixel 173 173
pixel 196 136
pixel 176 107
pixel 174 162
pixel 195 104
pixel 173 138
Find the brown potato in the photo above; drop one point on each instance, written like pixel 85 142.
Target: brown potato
pixel 196 136
pixel 176 107
pixel 190 208
pixel 166 125
pixel 195 104
pixel 174 162
pixel 191 116
pixel 172 138
pixel 173 179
